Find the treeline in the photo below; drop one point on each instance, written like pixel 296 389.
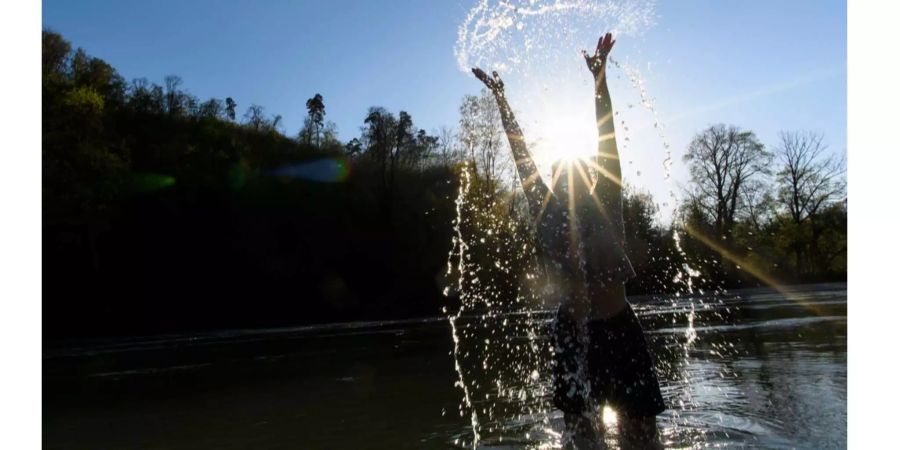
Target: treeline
pixel 162 212
pixel 776 215
pixel 166 213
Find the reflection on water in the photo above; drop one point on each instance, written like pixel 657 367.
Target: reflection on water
pixel 765 371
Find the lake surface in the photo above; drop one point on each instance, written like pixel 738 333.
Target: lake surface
pixel 767 370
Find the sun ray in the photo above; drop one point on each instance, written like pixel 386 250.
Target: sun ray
pixel 601 208
pixel 531 179
pixel 607 155
pixel 608 136
pixel 554 178
pixel 544 203
pixel 606 118
pixel 573 219
pixel 603 172
pixel 760 274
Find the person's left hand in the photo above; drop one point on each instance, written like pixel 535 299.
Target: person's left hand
pixel 495 84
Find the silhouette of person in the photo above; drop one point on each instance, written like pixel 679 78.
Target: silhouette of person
pixel 600 353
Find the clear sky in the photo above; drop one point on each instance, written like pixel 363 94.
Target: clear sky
pixel 763 65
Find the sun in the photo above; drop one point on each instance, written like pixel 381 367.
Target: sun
pixel 563 133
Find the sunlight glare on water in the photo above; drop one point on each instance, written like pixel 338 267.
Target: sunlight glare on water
pixel 610 418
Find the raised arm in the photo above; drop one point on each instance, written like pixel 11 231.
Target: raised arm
pixel 610 170
pixel 551 220
pixel 535 190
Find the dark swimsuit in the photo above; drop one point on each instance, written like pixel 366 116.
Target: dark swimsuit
pixel 617 367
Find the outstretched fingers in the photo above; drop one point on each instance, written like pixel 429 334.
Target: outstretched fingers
pixel 610 46
pixel 600 44
pixel 597 60
pixel 604 45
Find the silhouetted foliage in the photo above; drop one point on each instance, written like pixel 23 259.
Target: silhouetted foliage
pixel 315 108
pixel 162 213
pixel 742 224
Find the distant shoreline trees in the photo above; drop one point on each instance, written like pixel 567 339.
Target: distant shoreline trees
pixel 788 223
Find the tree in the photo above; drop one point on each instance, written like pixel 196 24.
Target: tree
pixel 378 134
pixel 724 161
pixel 330 140
pixel 481 137
pixel 809 182
pixel 422 149
pixel 276 122
pixel 447 147
pixel 230 106
pixel 145 97
pixel 402 135
pixel 315 108
pixel 394 144
pixel 648 245
pixel 353 147
pixel 211 108
pixel 255 117
pixel 55 51
pixel 174 97
pixel 759 208
pixel 98 75
pixel 809 179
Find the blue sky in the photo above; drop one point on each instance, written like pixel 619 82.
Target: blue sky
pixel 763 65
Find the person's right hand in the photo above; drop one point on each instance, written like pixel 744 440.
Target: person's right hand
pixel 597 62
pixel 495 84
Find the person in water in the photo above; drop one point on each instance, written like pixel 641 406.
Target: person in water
pixel 601 356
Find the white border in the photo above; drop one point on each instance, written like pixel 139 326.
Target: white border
pixel 873 126
pixel 873 132
pixel 20 224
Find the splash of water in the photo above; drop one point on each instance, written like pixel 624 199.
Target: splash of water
pixel 500 355
pixel 535 45
pixel 536 41
pixel 516 35
pixel 459 248
pixel 685 274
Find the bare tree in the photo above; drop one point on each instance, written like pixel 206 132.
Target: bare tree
pixel 809 179
pixel 255 117
pixel 276 122
pixel 723 162
pixel 330 138
pixel 448 146
pixel 174 104
pixel 481 136
pixel 809 182
pixel 758 204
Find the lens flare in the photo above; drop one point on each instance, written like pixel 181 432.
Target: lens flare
pixel 142 183
pixel 326 170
